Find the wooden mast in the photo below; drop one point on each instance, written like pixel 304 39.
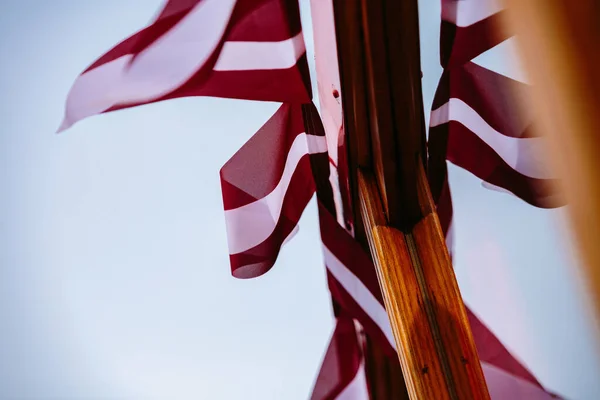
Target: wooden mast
pixel 379 64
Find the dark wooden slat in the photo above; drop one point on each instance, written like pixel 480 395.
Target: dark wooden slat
pixel 351 59
pixel 380 105
pixel 403 59
pixel 395 104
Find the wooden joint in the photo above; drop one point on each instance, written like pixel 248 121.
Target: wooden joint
pixel 423 302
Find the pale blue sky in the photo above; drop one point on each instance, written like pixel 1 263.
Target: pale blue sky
pixel 114 276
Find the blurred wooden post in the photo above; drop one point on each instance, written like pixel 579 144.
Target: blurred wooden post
pixel 559 42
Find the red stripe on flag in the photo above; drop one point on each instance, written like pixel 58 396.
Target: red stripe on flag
pixel 495 97
pixel 459 45
pixel 261 258
pixel 252 172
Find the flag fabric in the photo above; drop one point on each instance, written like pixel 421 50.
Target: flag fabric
pixel 241 49
pixel 342 373
pixel 477 124
pixel 254 50
pixel 353 281
pixel 468 29
pixel 264 197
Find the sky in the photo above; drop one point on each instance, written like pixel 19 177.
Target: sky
pixel 114 272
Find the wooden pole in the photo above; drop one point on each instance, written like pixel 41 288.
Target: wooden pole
pixel 379 60
pixel 384 376
pixel 559 42
pixel 435 345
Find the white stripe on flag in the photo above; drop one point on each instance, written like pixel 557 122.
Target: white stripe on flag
pixel 90 92
pixel 156 71
pixel 245 56
pixel 251 224
pixel 334 180
pixel 177 55
pixel 464 13
pixel 359 292
pixel 521 154
pixel 357 388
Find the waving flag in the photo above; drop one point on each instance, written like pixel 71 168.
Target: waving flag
pixel 476 122
pixel 242 49
pixel 266 187
pixel 254 50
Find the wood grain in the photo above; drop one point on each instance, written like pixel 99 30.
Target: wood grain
pixel 447 311
pixel 428 318
pixel 379 61
pixel 384 376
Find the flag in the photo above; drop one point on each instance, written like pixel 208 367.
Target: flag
pixel 264 198
pixel 477 124
pixel 266 186
pixel 253 49
pixel 241 49
pixel 351 275
pixel 469 28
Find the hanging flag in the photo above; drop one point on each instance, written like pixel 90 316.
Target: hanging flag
pixel 253 49
pixel 351 275
pixel 468 29
pixel 266 186
pixel 353 281
pixel 241 49
pixel 476 124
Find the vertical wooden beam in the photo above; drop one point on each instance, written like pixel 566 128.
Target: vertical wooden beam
pixel 559 43
pixel 378 50
pixel 435 345
pixel 351 62
pixel 384 376
pixel 392 60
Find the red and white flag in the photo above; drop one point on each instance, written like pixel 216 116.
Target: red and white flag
pixel 266 186
pixel 342 373
pixel 477 122
pixel 253 49
pixel 241 49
